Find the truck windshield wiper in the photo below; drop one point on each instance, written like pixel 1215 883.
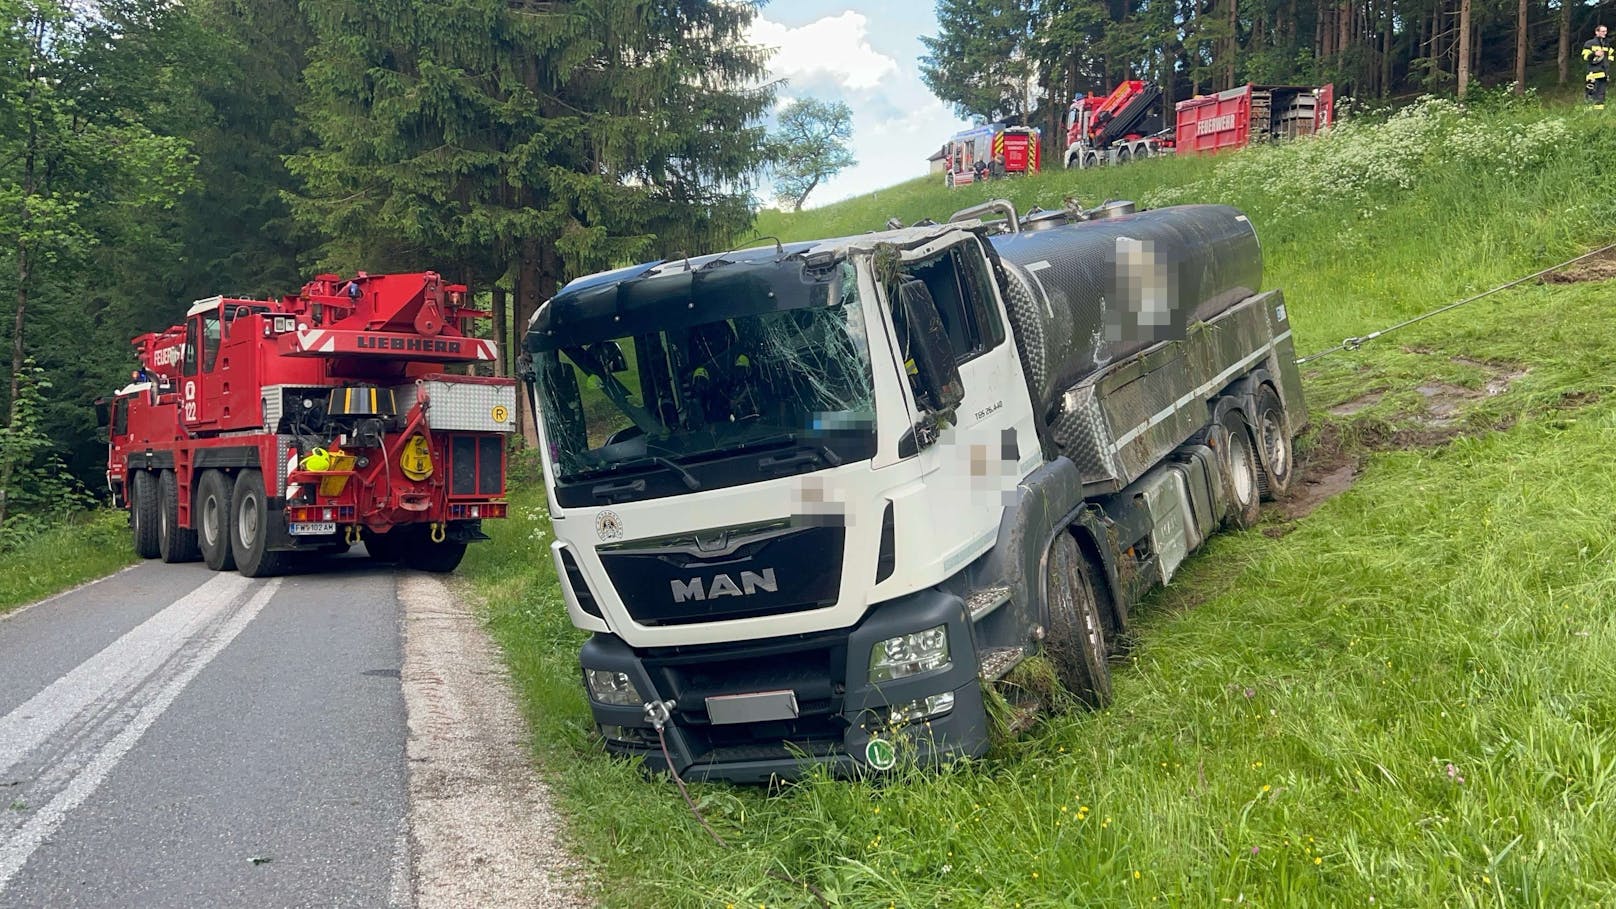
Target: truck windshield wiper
pixel 815 449
pixel 690 481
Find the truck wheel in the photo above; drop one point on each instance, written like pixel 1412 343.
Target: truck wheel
pixel 1124 155
pixel 1242 473
pixel 1075 643
pixel 383 547
pixel 213 520
pixel 413 548
pixel 249 528
pixel 1091 159
pixel 1274 443
pixel 174 543
pixel 143 517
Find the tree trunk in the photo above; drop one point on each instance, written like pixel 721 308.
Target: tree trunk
pixel 527 289
pixel 1564 58
pixel 1464 47
pixel 1231 48
pixel 1386 50
pixel 1520 48
pixel 502 333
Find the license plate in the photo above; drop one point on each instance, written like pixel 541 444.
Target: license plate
pixel 313 529
pixel 725 709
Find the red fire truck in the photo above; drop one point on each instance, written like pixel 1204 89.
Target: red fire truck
pixel 258 431
pixel 986 152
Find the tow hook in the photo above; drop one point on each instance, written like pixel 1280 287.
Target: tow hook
pixel 658 713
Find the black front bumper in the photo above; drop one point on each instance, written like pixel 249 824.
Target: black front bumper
pixel 839 709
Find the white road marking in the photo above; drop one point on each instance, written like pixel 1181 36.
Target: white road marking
pixel 117 669
pixel 187 621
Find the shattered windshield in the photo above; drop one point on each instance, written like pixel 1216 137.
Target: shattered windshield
pixel 794 373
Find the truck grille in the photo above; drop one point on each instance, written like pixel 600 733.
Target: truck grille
pixel 811 666
pixel 729 573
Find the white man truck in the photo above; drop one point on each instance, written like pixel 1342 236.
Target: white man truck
pixel 809 499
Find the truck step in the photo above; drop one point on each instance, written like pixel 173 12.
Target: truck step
pixel 998 661
pixel 984 600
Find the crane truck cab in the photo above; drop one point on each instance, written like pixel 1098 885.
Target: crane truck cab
pixel 809 498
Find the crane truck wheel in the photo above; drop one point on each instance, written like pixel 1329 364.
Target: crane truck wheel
pixel 1091 159
pixel 143 516
pixel 416 550
pixel 1075 643
pixel 382 547
pixel 1124 155
pixel 1242 473
pixel 174 543
pixel 249 528
pixel 1278 468
pixel 213 520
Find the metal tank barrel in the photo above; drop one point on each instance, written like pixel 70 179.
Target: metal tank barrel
pixel 1093 292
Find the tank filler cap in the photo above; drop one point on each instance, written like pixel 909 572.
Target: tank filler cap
pixel 1040 219
pixel 1114 208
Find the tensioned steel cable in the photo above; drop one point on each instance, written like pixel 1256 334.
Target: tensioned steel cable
pixel 1355 343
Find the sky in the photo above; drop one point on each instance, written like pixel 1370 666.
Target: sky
pixel 865 54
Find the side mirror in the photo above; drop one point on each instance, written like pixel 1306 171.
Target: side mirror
pixel 931 358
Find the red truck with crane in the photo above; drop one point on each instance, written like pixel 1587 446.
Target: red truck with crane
pixel 1128 123
pixel 260 431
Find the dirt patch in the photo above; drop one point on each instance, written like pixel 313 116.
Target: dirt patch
pixel 1598 268
pixel 481 824
pixel 1446 403
pixel 1314 490
pixel 1362 402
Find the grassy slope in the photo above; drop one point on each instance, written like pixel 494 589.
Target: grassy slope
pixel 1409 695
pixel 92 545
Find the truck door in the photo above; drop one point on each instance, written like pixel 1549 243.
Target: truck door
pixel 981 457
pixel 200 356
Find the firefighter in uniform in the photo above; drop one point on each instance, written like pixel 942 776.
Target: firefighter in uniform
pixel 1596 52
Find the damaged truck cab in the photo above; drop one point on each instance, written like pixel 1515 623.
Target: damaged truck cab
pixel 809 498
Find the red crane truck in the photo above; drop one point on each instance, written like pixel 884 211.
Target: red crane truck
pixel 1127 123
pixel 259 430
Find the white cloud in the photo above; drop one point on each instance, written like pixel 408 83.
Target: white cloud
pixel 897 122
pixel 837 47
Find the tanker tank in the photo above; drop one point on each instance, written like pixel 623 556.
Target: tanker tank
pixel 1086 294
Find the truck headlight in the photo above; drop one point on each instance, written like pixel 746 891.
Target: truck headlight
pixel 910 654
pixel 614 688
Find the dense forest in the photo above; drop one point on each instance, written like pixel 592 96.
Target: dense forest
pixel 1023 60
pixel 154 152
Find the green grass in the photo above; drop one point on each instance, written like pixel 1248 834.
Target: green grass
pixel 1409 694
pixel 64 555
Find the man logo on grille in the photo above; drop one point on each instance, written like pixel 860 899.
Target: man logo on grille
pixel 723 585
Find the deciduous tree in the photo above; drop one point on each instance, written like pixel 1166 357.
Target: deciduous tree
pixel 808 146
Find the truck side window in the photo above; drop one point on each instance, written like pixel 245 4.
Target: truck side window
pixel 970 319
pixel 210 341
pixel 120 416
pixel 978 286
pixel 193 338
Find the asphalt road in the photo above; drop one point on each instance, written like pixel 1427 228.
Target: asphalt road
pixel 172 736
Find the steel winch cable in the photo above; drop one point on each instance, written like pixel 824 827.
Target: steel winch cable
pixel 659 714
pixel 1355 343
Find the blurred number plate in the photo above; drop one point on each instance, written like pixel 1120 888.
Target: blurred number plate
pixel 725 709
pixel 314 529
